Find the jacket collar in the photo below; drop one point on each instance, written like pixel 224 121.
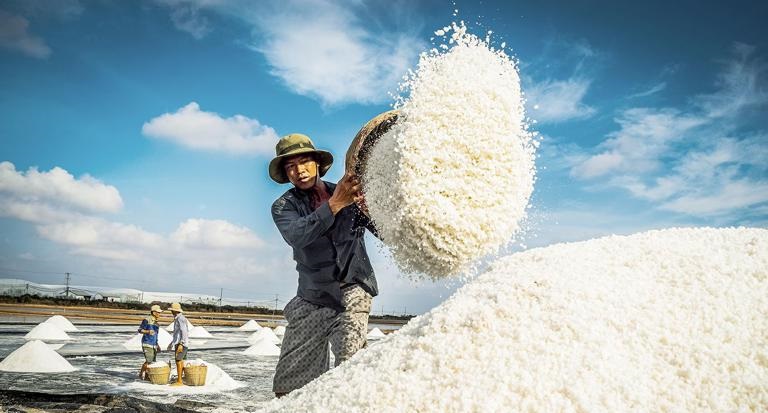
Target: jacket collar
pixel 304 195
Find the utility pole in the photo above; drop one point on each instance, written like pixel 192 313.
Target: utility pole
pixel 221 295
pixel 67 293
pixel 274 309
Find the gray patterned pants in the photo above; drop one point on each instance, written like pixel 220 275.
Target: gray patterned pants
pixel 304 352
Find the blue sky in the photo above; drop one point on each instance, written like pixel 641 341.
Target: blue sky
pixel 135 136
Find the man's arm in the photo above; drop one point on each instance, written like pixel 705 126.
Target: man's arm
pixel 144 326
pixel 184 329
pixel 299 231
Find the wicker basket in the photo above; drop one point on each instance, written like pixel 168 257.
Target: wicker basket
pixel 195 375
pixel 159 375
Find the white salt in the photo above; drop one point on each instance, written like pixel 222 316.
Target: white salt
pixel 35 357
pixel 47 331
pixel 263 347
pixel 158 364
pixel 280 331
pixel 251 325
pixel 264 333
pixel 449 183
pixel 662 321
pixel 376 334
pixel 199 332
pixel 216 381
pixel 62 323
pixel 163 340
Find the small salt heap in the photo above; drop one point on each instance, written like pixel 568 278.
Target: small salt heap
pixel 62 323
pixel 48 332
pixel 251 325
pixel 450 181
pixel 199 332
pixel 263 347
pixel 35 357
pixel 264 333
pixel 376 334
pixel 280 331
pixel 163 340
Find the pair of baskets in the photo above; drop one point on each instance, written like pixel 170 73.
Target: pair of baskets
pixel 194 375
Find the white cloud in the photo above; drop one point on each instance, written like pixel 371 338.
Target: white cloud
pixel 187 18
pixel 14 35
pixel 697 160
pixel 645 135
pixel 318 48
pixel 57 186
pixel 199 233
pixel 650 91
pixel 553 101
pixel 193 128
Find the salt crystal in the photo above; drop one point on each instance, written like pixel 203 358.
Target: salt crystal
pixel 35 357
pixel 47 331
pixel 62 323
pixel 251 325
pixel 672 320
pixel 263 347
pixel 450 181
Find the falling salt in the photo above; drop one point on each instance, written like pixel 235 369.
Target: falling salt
pixel 450 181
pixel 672 320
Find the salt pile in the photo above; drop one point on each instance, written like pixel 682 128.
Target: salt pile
pixel 280 331
pixel 35 357
pixel 662 321
pixel 163 340
pixel 199 332
pixel 62 323
pixel 264 333
pixel 47 331
pixel 263 347
pixel 376 334
pixel 449 183
pixel 251 325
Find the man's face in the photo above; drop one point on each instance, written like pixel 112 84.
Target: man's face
pixel 301 170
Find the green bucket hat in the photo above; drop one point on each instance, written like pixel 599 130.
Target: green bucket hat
pixel 296 144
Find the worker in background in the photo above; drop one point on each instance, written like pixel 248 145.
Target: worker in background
pixel 149 330
pixel 180 343
pixel 325 228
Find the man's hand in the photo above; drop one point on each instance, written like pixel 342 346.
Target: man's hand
pixel 150 332
pixel 347 191
pixel 179 348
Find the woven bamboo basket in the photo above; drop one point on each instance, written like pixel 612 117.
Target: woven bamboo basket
pixel 195 375
pixel 159 375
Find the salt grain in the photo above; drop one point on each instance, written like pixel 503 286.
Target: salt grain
pixel 671 320
pixel 450 181
pixel 35 357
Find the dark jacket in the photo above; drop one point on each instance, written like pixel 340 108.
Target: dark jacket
pixel 329 250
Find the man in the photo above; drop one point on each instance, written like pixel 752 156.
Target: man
pixel 150 333
pixel 323 225
pixel 180 343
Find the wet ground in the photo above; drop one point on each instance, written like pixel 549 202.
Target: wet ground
pixel 105 366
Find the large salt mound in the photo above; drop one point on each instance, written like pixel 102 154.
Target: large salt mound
pixel 264 333
pixel 163 340
pixel 449 183
pixel 263 347
pixel 35 357
pixel 199 332
pixel 662 321
pixel 251 325
pixel 47 331
pixel 62 323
